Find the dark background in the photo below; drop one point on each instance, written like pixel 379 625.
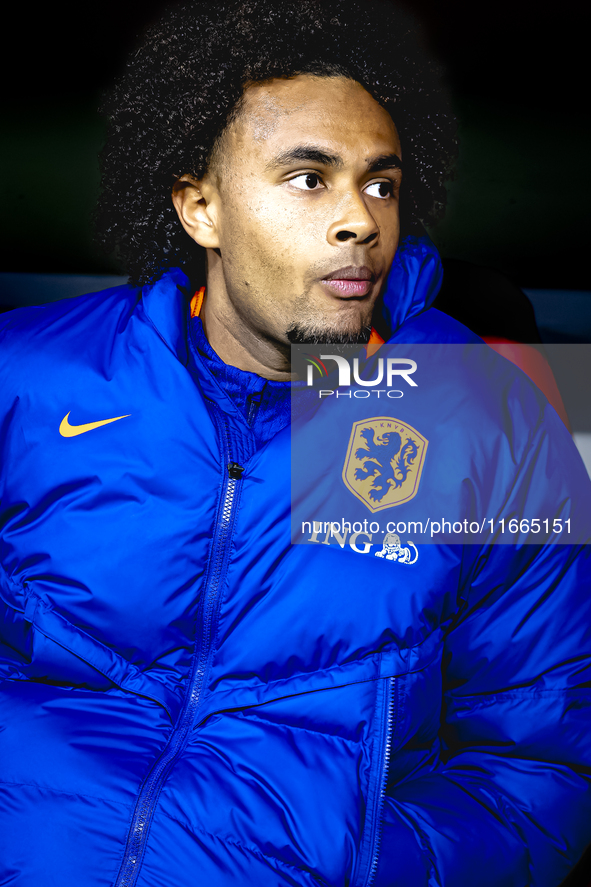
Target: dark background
pixel 518 73
pixel 520 203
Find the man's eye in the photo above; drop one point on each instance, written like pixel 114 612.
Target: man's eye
pixel 380 189
pixel 310 181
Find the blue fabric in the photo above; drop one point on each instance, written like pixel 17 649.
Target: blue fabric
pixel 186 697
pixel 264 404
pixel 413 283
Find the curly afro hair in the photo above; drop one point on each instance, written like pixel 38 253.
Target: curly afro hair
pixel 179 90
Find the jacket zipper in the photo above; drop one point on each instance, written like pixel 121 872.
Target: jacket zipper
pixel 254 402
pixel 150 791
pixel 377 824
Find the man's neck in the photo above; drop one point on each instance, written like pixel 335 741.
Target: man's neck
pixel 232 340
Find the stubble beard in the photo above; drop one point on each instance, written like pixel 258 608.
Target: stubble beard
pixel 302 334
pixel 317 330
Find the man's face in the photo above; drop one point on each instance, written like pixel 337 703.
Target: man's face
pixel 307 181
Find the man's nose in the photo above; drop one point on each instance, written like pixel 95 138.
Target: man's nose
pixel 353 222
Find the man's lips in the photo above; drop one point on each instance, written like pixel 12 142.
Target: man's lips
pixel 350 281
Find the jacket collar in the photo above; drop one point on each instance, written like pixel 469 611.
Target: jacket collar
pixel 166 305
pixel 412 285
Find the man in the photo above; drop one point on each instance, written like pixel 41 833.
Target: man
pixel 187 697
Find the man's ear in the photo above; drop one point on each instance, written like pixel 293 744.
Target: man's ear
pixel 194 202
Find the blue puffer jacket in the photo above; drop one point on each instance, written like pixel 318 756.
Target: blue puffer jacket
pixel 188 699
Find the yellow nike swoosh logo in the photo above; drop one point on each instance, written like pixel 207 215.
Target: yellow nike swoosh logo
pixel 67 430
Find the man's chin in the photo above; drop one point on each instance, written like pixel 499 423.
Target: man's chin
pixel 302 334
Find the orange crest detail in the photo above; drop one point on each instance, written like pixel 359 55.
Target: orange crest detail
pixel 384 462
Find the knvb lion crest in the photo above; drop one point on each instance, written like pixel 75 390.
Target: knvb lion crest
pixel 384 462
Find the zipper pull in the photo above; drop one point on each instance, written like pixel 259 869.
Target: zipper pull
pixel 254 402
pixel 235 470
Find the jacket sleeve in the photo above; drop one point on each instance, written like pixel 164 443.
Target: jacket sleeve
pixel 505 796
